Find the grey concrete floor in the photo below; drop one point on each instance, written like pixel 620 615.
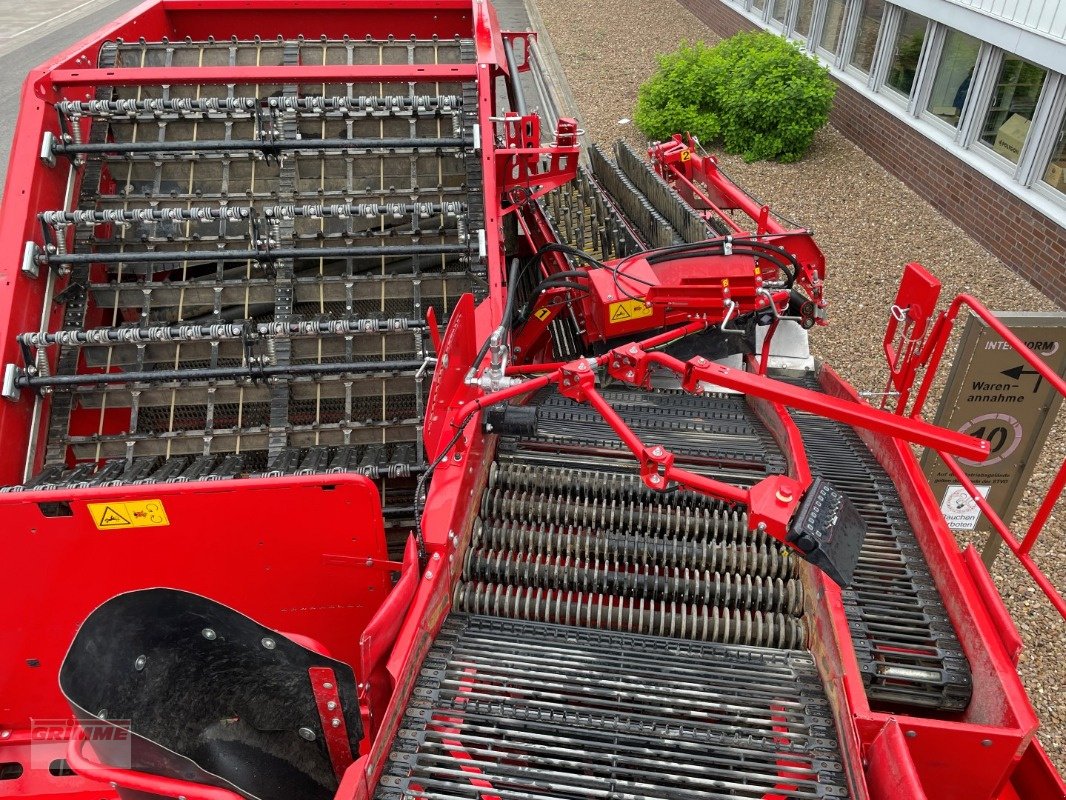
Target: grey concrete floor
pixel 32 33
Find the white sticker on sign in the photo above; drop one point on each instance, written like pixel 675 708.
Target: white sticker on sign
pixel 959 509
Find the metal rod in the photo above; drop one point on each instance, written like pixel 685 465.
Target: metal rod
pixel 228 145
pixel 515 81
pixel 216 332
pixel 366 104
pixel 160 256
pixel 214 373
pixel 238 213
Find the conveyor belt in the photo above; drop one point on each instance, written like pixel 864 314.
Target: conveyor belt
pixel 907 648
pixel 568 533
pixel 524 711
pixel 251 265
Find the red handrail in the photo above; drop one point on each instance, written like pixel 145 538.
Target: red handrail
pixel 942 331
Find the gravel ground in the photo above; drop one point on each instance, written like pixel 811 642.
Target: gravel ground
pixel 869 225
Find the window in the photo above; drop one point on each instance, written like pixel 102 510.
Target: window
pixel 778 11
pixel 862 54
pixel 1006 125
pixel 951 84
pixel 758 5
pixel 906 50
pixel 804 14
pixel 834 21
pixel 1055 174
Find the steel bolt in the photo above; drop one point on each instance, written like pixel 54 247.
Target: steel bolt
pixel 209 634
pixel 140 662
pixel 5 734
pixel 269 643
pixel 327 685
pixel 986 743
pixel 335 722
pixel 658 451
pixel 656 479
pixel 332 705
pixel 307 733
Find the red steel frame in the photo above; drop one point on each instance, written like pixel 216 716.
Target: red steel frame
pixel 989 751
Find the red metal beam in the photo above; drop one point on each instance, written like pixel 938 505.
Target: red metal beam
pixel 359 73
pixel 860 416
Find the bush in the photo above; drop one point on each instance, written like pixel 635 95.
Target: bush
pixel 756 93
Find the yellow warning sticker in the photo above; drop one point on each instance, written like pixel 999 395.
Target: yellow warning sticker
pixel 542 313
pixel 129 514
pixel 626 310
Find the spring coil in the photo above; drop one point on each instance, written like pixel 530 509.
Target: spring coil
pixel 675 584
pixel 632 615
pixel 765 559
pixel 627 515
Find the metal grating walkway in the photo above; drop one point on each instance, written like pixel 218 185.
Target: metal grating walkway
pixel 509 709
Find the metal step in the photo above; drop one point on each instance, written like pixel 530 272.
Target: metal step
pixel 907 648
pixel 515 709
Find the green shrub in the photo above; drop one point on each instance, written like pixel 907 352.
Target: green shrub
pixel 756 93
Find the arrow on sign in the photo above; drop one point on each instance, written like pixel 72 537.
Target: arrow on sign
pixel 1015 373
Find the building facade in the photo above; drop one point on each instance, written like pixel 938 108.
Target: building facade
pixel 963 100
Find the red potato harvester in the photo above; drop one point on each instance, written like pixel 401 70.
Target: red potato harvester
pixel 367 436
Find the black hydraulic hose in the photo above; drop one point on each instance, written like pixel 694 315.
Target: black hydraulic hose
pixel 788 264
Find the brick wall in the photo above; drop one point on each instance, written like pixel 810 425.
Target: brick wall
pixel 1027 241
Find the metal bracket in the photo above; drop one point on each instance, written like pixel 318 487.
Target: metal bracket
pixel 11 390
pixel 48 143
pixel 331 715
pixel 30 253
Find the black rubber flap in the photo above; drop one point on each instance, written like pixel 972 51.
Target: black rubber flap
pixel 210 695
pixel 829 531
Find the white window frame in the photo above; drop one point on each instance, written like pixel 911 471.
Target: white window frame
pixel 816 38
pixel 937 41
pixel 1020 172
pixel 853 29
pixel 920 70
pixel 1047 121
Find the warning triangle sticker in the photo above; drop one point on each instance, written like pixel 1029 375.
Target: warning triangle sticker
pixel 112 519
pixel 620 313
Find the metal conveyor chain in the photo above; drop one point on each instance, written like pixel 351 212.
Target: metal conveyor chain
pixel 588 544
pixel 519 710
pixel 907 647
